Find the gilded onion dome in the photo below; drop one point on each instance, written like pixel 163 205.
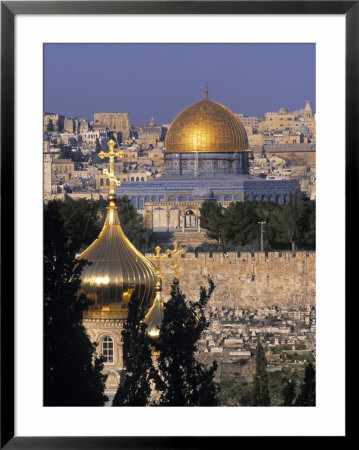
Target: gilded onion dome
pixel 117 268
pixel 206 127
pixel 154 316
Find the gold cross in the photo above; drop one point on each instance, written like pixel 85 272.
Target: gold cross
pixel 111 173
pixel 158 256
pixel 174 264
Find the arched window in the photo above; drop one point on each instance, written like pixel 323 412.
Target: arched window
pixel 107 349
pixel 101 181
pixel 107 182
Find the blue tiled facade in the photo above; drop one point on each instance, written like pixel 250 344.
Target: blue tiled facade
pixel 242 187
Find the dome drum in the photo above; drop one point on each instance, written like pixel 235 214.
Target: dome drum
pixel 202 164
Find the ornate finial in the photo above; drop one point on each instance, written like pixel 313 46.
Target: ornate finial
pixel 157 257
pixel 206 90
pixel 174 264
pixel 111 173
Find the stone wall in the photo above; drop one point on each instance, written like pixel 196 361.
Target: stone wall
pixel 249 280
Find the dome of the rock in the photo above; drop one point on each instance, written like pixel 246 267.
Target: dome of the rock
pixel 206 127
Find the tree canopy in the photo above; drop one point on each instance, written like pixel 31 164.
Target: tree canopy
pixel 135 384
pixel 183 381
pixel 307 394
pixel 83 220
pixel 260 394
pixel 72 371
pixel 288 226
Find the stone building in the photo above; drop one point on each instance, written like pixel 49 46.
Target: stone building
pixel 285 120
pixel 150 135
pixel 113 122
pixel 62 169
pixel 53 122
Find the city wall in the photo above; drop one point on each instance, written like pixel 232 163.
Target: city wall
pixel 249 280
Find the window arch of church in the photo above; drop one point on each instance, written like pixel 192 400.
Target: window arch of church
pixel 189 212
pixel 107 349
pixel 137 179
pixel 142 179
pixel 107 182
pixel 101 181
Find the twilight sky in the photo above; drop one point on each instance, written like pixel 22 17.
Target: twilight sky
pixel 160 80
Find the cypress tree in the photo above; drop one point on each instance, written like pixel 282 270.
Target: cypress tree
pixel 260 393
pixel 72 372
pixel 134 388
pixel 306 395
pixel 288 393
pixel 183 381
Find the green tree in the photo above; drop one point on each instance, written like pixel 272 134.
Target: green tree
pixel 72 371
pixel 211 218
pixel 135 389
pixel 288 392
pixel 241 225
pixel 133 224
pixel 306 225
pixel 307 394
pixel 260 393
pixel 292 213
pixel 183 381
pixel 84 219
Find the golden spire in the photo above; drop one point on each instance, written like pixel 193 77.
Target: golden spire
pixel 158 256
pixel 117 268
pixel 206 90
pixel 174 264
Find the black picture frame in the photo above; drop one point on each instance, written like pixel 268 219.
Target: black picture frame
pixel 9 9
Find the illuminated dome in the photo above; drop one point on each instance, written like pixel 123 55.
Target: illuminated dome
pixel 117 270
pixel 206 127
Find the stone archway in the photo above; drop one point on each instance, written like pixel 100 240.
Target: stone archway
pixel 190 219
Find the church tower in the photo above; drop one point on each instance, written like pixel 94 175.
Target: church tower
pixel 116 270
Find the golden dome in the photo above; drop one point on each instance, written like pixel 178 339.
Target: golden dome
pixel 117 269
pixel 206 127
pixel 154 316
